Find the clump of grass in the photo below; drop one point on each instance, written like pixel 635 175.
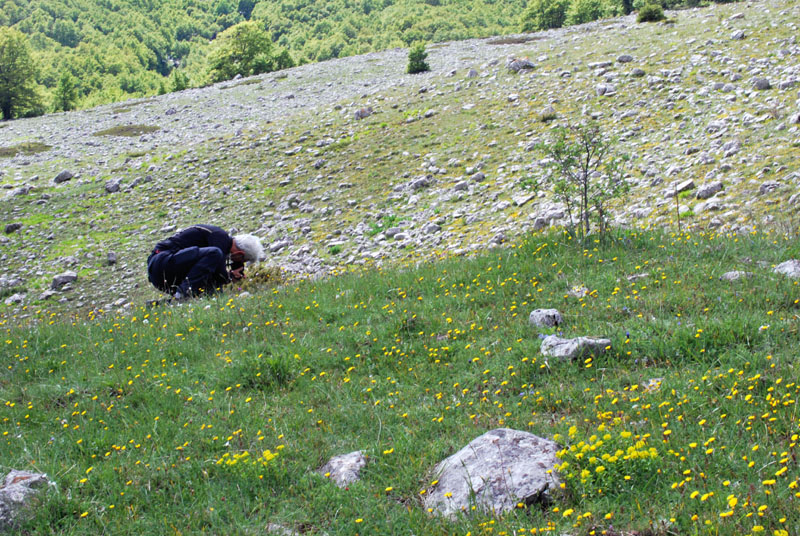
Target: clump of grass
pixel 26 148
pixel 127 130
pixel 262 277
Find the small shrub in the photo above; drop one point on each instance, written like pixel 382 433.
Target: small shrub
pixel 651 13
pixel 416 59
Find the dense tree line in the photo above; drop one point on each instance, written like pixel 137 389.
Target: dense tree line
pixel 88 52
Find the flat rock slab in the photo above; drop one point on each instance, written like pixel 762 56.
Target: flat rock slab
pixel 545 318
pixel 345 468
pixel 495 472
pixel 17 489
pixel 577 348
pixel 789 269
pixel 736 275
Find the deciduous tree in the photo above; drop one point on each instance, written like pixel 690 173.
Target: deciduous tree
pixel 18 71
pixel 244 49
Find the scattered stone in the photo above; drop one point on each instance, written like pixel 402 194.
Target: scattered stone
pixel 113 185
pixel 577 348
pixel 685 186
pixel 478 177
pixel 62 279
pixel 363 113
pixel 768 187
pixel 761 84
pixel 495 472
pixel 13 227
pixel 735 275
pixel 18 488
pixel 790 268
pixel 47 294
pixel 431 228
pixel 111 260
pixel 605 90
pixel 519 64
pixel 709 190
pixel 15 299
pixel 738 35
pixel 64 176
pixel 578 292
pixel 345 468
pixel 625 58
pixel 541 318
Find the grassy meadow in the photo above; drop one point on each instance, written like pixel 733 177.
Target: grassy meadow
pixel 213 416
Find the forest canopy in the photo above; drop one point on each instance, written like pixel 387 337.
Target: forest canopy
pixel 90 52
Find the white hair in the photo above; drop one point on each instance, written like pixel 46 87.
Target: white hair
pixel 251 245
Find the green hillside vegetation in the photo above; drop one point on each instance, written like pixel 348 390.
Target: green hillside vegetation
pixel 118 49
pixel 214 416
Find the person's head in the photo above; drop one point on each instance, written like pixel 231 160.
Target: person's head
pixel 247 248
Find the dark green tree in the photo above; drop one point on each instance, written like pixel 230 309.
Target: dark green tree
pixel 244 49
pixel 66 94
pixel 180 80
pixel 416 59
pixel 18 71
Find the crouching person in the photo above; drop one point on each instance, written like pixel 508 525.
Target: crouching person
pixel 200 260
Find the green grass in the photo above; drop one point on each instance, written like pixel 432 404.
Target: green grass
pixel 130 414
pixel 127 130
pixel 26 148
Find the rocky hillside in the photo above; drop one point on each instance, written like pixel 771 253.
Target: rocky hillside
pixel 353 162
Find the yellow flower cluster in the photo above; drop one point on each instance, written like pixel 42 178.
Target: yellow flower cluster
pixel 246 459
pixel 604 460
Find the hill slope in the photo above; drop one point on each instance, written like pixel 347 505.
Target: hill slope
pixel 282 155
pixel 117 49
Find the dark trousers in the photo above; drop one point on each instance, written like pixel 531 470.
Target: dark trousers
pixel 192 270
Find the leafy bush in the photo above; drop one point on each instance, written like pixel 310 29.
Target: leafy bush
pixel 587 173
pixel 416 59
pixel 651 13
pixel 545 14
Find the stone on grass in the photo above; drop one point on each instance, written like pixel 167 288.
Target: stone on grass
pixel 577 348
pixel 64 176
pixel 18 488
pixel 62 279
pixel 541 318
pixel 709 190
pixel 12 227
pixel 789 268
pixel 345 468
pixel 495 472
pixel 363 113
pixel 736 275
pixel 761 84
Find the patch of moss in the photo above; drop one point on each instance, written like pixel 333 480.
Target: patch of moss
pixel 127 130
pixel 246 82
pixel 519 40
pixel 26 148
